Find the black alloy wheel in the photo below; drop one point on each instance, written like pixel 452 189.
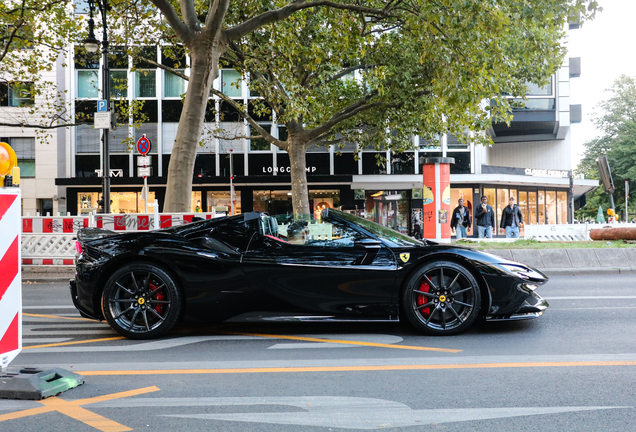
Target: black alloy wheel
pixel 141 301
pixel 442 298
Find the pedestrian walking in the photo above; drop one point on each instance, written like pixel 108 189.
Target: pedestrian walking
pixel 460 220
pixel 484 219
pixel 417 226
pixel 511 219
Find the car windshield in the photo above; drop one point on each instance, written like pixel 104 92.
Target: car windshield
pixel 378 230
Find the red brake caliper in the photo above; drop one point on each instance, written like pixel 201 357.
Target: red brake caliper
pixel 422 299
pixel 159 297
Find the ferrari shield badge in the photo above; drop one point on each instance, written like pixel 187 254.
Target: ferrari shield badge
pixel 405 257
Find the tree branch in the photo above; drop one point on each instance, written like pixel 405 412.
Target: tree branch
pixel 279 14
pixel 216 15
pixel 189 14
pixel 179 27
pixel 266 135
pixel 343 73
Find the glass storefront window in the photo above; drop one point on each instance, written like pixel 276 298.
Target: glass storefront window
pixel 279 202
pixel 122 202
pixel 467 196
pixel 532 208
pixel 541 208
pixel 551 207
pixel 145 83
pixel 87 84
pixel 491 194
pixel 562 200
pixel 502 202
pixel 388 208
pixel 195 202
pixel 523 205
pixel 220 201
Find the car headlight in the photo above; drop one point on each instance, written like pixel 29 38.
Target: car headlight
pixel 519 270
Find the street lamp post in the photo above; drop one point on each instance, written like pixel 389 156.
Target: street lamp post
pixel 91 44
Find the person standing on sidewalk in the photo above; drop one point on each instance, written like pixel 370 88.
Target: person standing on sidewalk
pixel 511 219
pixel 460 221
pixel 485 219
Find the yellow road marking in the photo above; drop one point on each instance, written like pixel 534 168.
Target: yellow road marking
pixel 74 410
pixel 71 343
pixel 345 342
pixel 356 368
pixel 58 317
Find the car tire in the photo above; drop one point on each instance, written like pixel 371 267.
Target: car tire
pixel 141 301
pixel 452 292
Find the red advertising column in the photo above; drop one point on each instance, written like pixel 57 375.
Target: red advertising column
pixel 436 196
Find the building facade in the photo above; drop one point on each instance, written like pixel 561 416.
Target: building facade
pixel 529 160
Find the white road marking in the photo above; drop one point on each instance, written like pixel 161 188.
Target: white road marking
pixel 29 340
pixel 589 297
pixel 338 362
pixel 343 412
pixel 324 411
pixel 592 308
pixel 132 346
pixel 371 338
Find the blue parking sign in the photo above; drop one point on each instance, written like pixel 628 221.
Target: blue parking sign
pixel 102 106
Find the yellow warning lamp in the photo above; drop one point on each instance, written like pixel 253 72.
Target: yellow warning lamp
pixel 610 212
pixel 8 161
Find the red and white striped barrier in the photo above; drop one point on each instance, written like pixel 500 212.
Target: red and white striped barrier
pixel 10 276
pixel 114 222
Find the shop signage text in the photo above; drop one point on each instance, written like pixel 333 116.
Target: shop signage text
pixel 546 173
pixel 271 170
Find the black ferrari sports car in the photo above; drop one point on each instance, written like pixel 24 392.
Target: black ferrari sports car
pixel 338 267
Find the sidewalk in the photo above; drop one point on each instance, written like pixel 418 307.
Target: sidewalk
pixel 553 262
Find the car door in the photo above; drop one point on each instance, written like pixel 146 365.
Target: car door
pixel 339 270
pixel 212 273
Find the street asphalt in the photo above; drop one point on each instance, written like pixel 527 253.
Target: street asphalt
pixel 572 369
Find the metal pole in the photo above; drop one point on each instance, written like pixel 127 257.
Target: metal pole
pixel 232 200
pixel 106 95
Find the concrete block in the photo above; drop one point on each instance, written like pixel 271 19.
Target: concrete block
pixel 555 258
pixel 530 257
pixel 630 254
pixel 504 253
pixel 583 258
pixel 611 257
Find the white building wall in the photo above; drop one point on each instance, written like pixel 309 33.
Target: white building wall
pixel 42 186
pixel 554 155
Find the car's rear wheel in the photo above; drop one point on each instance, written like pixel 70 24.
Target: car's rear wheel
pixel 441 298
pixel 141 301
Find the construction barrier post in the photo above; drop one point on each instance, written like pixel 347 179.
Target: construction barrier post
pixel 10 276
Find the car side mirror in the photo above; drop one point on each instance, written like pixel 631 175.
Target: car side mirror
pixel 368 243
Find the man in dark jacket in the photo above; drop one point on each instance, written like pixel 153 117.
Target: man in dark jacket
pixel 511 219
pixel 460 221
pixel 484 219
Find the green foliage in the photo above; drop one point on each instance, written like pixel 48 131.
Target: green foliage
pixel 422 70
pixel 617 125
pixel 33 34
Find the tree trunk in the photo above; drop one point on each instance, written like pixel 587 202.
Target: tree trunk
pixel 300 193
pixel 204 69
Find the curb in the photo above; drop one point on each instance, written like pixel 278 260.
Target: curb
pixel 588 271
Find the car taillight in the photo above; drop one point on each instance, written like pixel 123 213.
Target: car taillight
pixel 78 247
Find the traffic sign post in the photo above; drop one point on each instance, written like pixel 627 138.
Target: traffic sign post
pixel 143 146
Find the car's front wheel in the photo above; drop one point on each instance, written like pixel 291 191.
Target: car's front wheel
pixel 141 301
pixel 441 298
